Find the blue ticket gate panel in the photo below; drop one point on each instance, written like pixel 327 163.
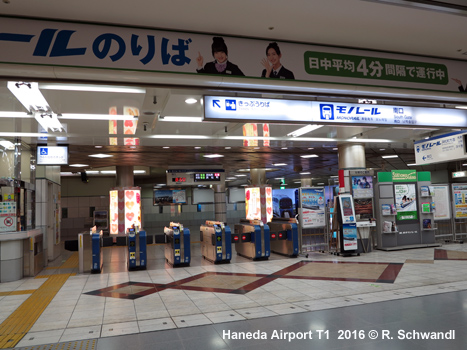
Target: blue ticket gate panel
pixel 254 240
pixel 136 244
pixel 177 245
pixel 97 254
pixel 216 242
pixel 284 237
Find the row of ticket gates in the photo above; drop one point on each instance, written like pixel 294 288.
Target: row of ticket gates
pixel 252 239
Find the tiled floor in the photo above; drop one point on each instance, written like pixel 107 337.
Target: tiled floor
pixel 191 307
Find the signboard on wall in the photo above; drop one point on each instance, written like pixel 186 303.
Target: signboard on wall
pixel 52 155
pixel 442 148
pixel 459 198
pixel 442 207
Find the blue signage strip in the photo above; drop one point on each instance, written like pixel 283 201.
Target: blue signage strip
pixel 296 111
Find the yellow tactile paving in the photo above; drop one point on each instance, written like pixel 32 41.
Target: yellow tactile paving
pixel 71 263
pixel 17 292
pixel 23 318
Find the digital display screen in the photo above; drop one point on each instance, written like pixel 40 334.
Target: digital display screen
pixel 199 177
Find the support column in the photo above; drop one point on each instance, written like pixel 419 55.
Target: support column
pixel 351 156
pixel 220 203
pixel 257 177
pixel 17 181
pixel 305 182
pixel 125 176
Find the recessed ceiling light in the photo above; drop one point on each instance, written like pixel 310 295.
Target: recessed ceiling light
pixel 321 183
pixel 166 147
pixel 244 185
pixel 212 155
pixel 305 173
pixel 98 146
pixel 228 147
pixel 310 148
pixel 382 149
pixel 279 164
pixel 390 156
pixel 197 147
pixel 139 171
pixel 190 101
pixel 133 147
pixel 79 165
pixel 309 156
pixel 297 182
pixel 284 148
pixel 231 178
pixel 413 164
pixel 335 149
pixel 100 155
pixel 92 172
pixel 240 175
pixel 108 171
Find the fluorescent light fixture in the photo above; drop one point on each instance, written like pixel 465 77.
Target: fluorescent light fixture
pixel 213 156
pixel 321 183
pixel 390 156
pixel 139 172
pixel 228 147
pixel 240 175
pixel 304 130
pixel 279 164
pixel 190 101
pixel 7 145
pixel 185 137
pixel 181 119
pixel 94 88
pixel 305 173
pixel 92 172
pixel 462 164
pixel 79 165
pixel 231 178
pixel 160 185
pixel 166 147
pixel 244 185
pixel 382 149
pixel 29 95
pixel 284 148
pixel 100 155
pixel 67 173
pixel 413 164
pixel 335 149
pixel 461 107
pixel 197 147
pixel 310 148
pixel 48 120
pixel 82 116
pixel 97 146
pixel 108 171
pixel 309 156
pixel 297 182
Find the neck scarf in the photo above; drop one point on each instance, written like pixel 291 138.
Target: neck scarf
pixel 221 66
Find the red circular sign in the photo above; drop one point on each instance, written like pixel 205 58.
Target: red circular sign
pixel 8 221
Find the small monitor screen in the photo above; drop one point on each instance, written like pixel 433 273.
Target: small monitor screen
pixel 208 177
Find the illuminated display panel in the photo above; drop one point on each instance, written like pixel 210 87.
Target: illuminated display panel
pixel 199 177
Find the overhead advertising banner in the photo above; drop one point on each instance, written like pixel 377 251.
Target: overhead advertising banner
pixel 59 43
pixel 295 111
pixel 459 195
pixel 439 149
pixel 312 207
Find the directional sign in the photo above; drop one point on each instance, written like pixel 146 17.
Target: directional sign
pixel 441 148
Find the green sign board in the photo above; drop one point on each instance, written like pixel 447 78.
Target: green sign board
pixel 376 68
pixel 404 175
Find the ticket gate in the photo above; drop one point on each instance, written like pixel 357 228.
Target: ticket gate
pixel 97 259
pixel 137 249
pixel 177 245
pixel 284 237
pixel 216 242
pixel 254 242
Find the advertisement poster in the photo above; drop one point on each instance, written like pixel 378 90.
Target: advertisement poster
pixel 253 203
pixel 312 207
pixel 266 204
pixel 362 186
pixel 113 212
pixel 441 200
pixel 363 208
pixel 125 209
pixel 283 203
pixel 350 237
pixel 167 197
pixel 459 198
pixel 132 200
pixel 406 201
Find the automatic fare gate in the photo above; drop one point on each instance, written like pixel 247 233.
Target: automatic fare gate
pixel 216 242
pixel 136 244
pixel 284 237
pixel 254 239
pixel 177 245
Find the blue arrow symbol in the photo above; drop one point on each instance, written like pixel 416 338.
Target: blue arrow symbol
pixel 216 103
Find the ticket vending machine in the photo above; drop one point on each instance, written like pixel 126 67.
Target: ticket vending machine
pixel 254 242
pixel 216 242
pixel 284 237
pixel 136 243
pixel 177 245
pixel 97 254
